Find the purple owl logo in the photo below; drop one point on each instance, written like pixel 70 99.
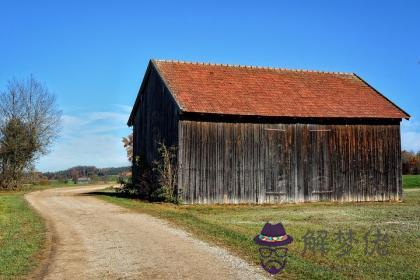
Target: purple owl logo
pixel 273 251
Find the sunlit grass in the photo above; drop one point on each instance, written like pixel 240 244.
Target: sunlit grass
pixel 235 226
pixel 22 234
pixel 411 181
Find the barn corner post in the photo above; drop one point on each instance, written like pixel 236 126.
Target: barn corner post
pixel 180 168
pixel 399 192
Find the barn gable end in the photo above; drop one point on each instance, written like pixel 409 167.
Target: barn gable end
pixel 154 119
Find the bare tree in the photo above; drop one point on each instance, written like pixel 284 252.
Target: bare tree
pixel 29 123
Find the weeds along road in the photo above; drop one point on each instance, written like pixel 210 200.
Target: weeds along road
pixel 91 239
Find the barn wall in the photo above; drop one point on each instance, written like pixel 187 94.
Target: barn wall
pixel 270 163
pixel 156 120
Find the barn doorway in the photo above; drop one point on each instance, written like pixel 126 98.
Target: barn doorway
pixel 317 168
pixel 298 163
pixel 277 164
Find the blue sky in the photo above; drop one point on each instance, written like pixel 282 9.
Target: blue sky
pixel 93 54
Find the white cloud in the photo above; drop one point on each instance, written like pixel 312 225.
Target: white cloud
pixel 92 138
pixel 410 135
pixel 125 108
pixel 410 141
pixel 108 116
pixel 411 124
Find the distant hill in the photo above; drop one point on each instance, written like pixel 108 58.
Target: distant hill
pixel 86 171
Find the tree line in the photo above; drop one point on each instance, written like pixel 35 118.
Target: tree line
pixel 410 162
pixel 76 172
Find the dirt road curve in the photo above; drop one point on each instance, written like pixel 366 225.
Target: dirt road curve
pixel 92 239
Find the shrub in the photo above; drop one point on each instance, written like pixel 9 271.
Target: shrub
pixel 157 182
pixel 43 182
pixel 165 173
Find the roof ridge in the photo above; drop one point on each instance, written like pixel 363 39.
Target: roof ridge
pixel 253 67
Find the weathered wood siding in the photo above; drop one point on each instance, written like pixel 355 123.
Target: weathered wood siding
pixel 270 163
pixel 156 120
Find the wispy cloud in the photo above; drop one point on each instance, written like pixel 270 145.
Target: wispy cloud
pixel 124 108
pixel 411 141
pixel 89 138
pixel 410 135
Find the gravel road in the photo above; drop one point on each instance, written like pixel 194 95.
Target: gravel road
pixel 92 239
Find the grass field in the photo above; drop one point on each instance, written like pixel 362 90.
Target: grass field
pixel 21 236
pixel 22 233
pixel 234 227
pixel 411 181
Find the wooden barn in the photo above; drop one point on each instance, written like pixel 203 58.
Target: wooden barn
pixel 268 135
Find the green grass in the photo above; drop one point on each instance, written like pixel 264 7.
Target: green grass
pixel 234 227
pixel 22 234
pixel 411 181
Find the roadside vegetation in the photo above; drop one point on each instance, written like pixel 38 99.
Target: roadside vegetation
pixel 234 227
pixel 22 235
pixel 29 124
pixel 22 232
pixel 154 182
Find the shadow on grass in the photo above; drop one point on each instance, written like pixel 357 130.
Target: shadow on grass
pixel 111 194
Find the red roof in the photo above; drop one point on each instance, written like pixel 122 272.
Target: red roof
pixel 259 91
